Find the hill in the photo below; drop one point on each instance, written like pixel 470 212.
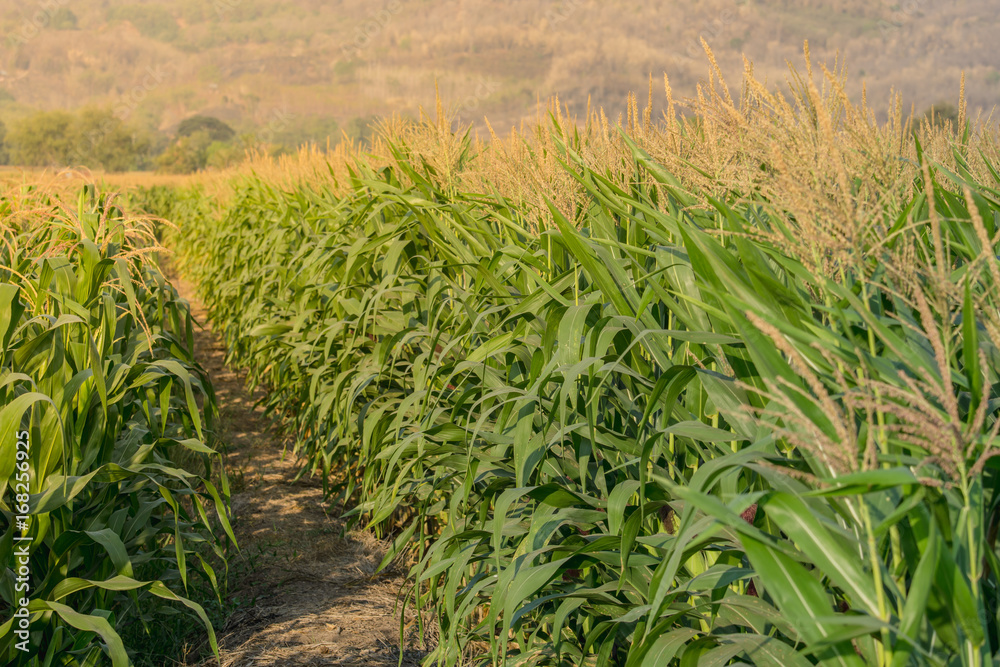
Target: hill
pixel 306 68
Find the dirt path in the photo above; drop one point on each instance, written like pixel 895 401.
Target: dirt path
pixel 303 594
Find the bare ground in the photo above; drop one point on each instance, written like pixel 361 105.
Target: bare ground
pixel 305 593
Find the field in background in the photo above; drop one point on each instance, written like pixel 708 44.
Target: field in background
pixel 49 179
pixel 295 66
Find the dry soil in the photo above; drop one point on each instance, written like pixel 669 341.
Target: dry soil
pixel 304 592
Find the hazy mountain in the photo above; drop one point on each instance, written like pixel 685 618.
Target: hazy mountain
pixel 292 63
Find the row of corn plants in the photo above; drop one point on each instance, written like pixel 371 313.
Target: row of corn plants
pixel 650 435
pixel 97 374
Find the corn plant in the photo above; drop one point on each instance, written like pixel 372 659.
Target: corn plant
pixel 96 368
pixel 681 428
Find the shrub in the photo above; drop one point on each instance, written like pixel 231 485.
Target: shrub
pixel 215 128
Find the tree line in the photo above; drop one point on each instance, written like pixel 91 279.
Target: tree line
pixel 88 137
pixel 97 138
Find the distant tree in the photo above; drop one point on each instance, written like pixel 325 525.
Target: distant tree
pixel 91 137
pixel 64 19
pixel 4 155
pixel 101 139
pixel 187 155
pixel 153 21
pixel 345 70
pixel 216 129
pixel 308 130
pixel 942 114
pixel 360 129
pixel 220 155
pixel 43 139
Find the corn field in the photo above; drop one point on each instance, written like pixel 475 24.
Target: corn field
pixel 728 395
pixel 96 371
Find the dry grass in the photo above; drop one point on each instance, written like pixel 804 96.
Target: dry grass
pixel 69 180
